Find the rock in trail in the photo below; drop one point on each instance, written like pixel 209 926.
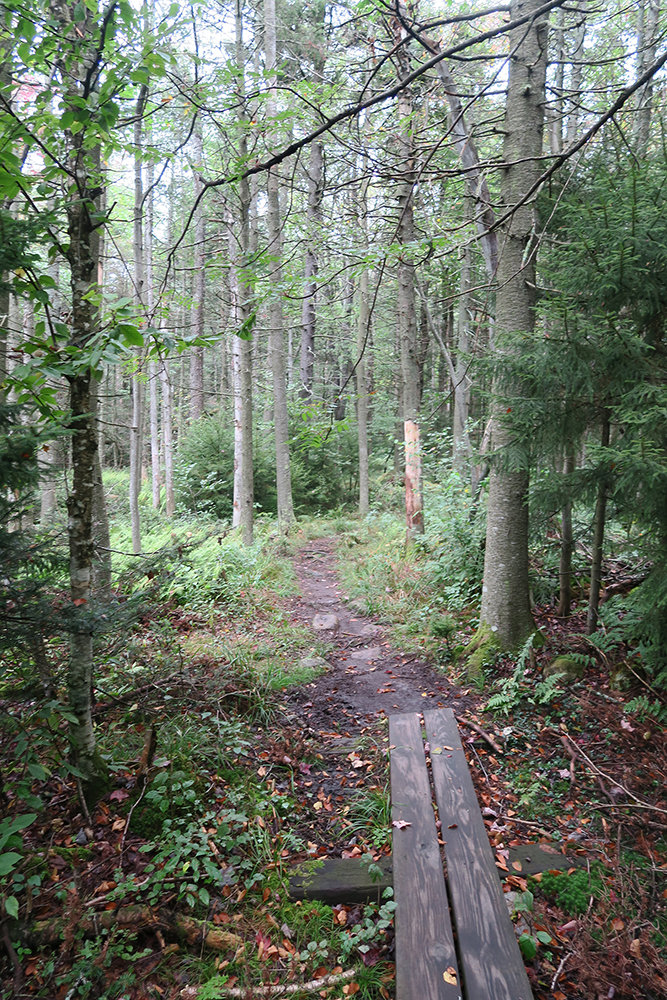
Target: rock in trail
pixel 366 675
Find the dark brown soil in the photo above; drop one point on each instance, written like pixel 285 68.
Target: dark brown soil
pixel 367 676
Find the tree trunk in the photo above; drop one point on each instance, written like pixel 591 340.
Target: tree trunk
pixel 648 16
pixel 276 335
pixel 168 443
pixel 557 102
pixel 153 377
pixel 49 481
pixel 566 549
pixel 576 76
pixel 406 317
pixel 598 537
pixel 198 282
pixel 139 279
pixel 363 346
pixel 461 450
pixel 309 311
pixel 100 528
pixel 505 609
pixel 242 346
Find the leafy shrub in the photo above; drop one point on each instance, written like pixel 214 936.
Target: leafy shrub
pixel 323 465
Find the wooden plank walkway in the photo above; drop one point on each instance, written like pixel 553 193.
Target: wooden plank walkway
pixel 425 954
pixel 490 957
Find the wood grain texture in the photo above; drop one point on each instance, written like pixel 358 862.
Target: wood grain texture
pixel 424 940
pixel 492 965
pixel 340 880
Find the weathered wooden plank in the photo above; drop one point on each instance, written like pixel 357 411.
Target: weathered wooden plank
pixel 491 961
pixel 534 859
pixel 346 880
pixel 340 880
pixel 424 941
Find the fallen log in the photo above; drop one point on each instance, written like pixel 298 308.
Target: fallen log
pixel 50 932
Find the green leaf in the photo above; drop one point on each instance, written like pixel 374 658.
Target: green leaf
pixel 8 862
pixel 131 334
pixel 12 907
pixel 543 937
pixel 528 946
pixel 244 332
pixel 37 771
pixel 79 12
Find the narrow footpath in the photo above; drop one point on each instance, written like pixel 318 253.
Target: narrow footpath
pixel 366 677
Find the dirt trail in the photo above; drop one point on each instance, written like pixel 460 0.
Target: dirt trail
pixel 367 676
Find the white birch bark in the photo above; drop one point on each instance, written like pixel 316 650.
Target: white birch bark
pixel 168 443
pixel 198 280
pixel 276 332
pixel 139 276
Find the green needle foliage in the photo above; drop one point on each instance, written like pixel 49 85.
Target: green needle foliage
pixel 598 357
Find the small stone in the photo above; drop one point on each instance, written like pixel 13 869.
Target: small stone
pixel 326 623
pixel 569 669
pixel 313 663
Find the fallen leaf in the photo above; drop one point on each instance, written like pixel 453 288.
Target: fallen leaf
pixel 636 947
pixel 119 795
pixel 617 924
pixel 350 989
pixel 449 975
pixel 453 826
pixel 626 725
pixel 400 824
pixel 118 824
pixel 517 866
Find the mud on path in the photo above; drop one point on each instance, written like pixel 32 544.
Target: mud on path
pixel 367 677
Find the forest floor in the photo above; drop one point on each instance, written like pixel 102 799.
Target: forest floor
pixel 306 777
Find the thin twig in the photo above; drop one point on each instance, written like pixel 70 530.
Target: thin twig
pixel 82 800
pixel 127 824
pixel 560 969
pixel 480 732
pixel 601 774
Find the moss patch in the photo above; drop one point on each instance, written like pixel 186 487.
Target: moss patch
pixel 481 651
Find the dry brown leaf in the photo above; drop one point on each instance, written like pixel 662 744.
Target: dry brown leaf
pixel 449 975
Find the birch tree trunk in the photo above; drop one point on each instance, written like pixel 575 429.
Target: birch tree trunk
pixel 242 345
pixel 198 281
pixel 139 277
pixel 276 333
pixel 100 527
pixel 406 315
pixel 309 310
pixel 461 450
pixel 363 346
pixel 578 35
pixel 167 438
pixel 648 16
pixel 153 377
pixel 505 609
